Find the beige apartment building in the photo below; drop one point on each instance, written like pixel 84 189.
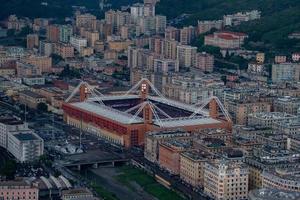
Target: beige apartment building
pixel 31 99
pixel 192 167
pixel 224 180
pixel 239 110
pixel 283 179
pixel 44 63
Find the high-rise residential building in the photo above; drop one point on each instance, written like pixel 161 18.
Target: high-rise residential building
pixel 187 35
pixel 166 65
pixel 186 55
pixel 172 33
pixel 285 72
pixel 65 33
pixel 46 48
pixel 149 10
pixel 32 41
pixel 137 11
pixel 160 24
pixel 53 33
pixel 64 50
pixel 85 20
pixel 132 54
pixel 205 62
pixel 226 180
pixel 206 26
pixel 147 25
pixel 78 43
pixel 170 49
pixel 92 37
pixel 117 19
pixel 156 44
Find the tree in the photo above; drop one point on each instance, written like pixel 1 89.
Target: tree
pixel 9 169
pixel 42 107
pixel 70 73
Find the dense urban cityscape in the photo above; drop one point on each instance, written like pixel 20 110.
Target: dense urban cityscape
pixel 152 99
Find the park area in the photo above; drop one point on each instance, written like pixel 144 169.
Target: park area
pixel 127 183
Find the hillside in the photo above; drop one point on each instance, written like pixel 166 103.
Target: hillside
pixel 279 18
pixel 54 9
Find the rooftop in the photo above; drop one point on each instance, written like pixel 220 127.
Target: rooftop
pixel 273 194
pixel 25 136
pixel 31 94
pixel 10 120
pixel 197 155
pixel 122 108
pixel 272 115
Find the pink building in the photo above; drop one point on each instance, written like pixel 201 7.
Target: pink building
pixel 226 40
pixel 18 189
pixel 205 62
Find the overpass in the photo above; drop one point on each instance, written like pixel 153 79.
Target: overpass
pixel 95 163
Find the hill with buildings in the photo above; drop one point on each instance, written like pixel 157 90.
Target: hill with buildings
pixel 279 18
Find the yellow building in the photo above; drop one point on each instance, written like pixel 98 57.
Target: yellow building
pixel 192 167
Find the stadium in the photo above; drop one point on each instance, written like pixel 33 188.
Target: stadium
pixel 124 119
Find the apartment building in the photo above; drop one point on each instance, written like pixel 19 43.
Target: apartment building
pixel 18 189
pixel 153 139
pixel 206 26
pixel 32 40
pixel 169 154
pixel 285 72
pixel 44 63
pixel 186 55
pixel 205 62
pixel 267 119
pixel 31 99
pixel 78 43
pixel 282 179
pixel 25 147
pixel 226 180
pixel 64 50
pixel 239 110
pixel 192 167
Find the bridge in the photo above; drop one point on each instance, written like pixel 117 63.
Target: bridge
pixel 93 159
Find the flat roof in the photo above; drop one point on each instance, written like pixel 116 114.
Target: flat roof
pixel 25 136
pixel 31 94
